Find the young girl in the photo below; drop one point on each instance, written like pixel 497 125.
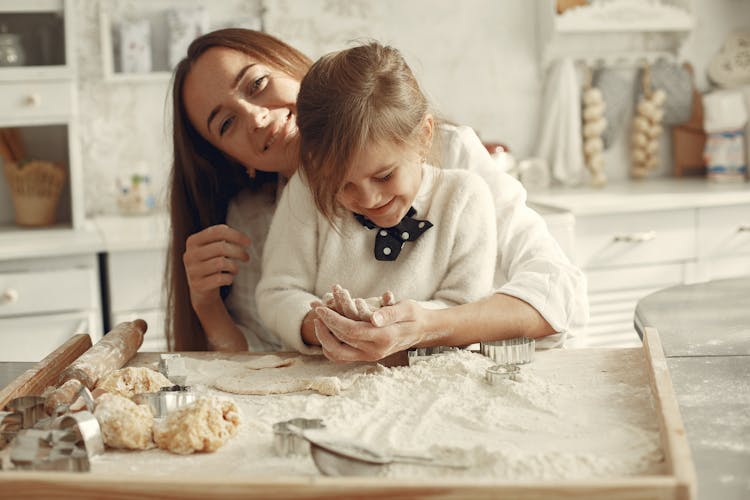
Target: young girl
pixel 367 212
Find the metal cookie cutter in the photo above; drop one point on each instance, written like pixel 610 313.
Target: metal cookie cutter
pixel 516 351
pixel 167 400
pixel 86 430
pixel 37 449
pixel 497 373
pixel 31 409
pixel 10 423
pixel 287 443
pixel 173 367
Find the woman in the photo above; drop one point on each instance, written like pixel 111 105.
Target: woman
pixel 235 141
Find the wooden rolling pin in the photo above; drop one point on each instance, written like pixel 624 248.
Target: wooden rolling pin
pixel 112 352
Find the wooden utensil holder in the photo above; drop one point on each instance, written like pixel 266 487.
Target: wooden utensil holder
pixel 35 188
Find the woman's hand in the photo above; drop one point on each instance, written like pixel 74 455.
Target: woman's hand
pixel 399 327
pixel 210 261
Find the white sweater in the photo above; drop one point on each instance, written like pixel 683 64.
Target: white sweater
pixel 453 262
pixel 530 264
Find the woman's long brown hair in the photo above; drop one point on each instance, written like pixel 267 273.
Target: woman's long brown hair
pixel 203 180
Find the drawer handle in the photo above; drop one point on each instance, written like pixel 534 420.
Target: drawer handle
pixel 33 100
pixel 9 296
pixel 744 229
pixel 635 237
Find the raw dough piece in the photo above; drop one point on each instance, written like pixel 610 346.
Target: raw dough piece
pixel 323 377
pixel 204 425
pixel 131 381
pixel 268 361
pixel 124 424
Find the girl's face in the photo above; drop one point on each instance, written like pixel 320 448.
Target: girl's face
pixel 382 183
pixel 244 108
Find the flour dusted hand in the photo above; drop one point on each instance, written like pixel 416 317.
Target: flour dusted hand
pixel 358 309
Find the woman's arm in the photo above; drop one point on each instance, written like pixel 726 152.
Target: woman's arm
pixel 406 325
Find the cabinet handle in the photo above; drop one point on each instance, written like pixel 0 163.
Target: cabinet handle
pixel 33 100
pixel 635 237
pixel 10 296
pixel 744 229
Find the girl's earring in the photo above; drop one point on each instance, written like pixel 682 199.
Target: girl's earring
pixel 250 172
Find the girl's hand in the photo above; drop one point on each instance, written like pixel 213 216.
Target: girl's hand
pixel 345 339
pixel 210 261
pixel 341 301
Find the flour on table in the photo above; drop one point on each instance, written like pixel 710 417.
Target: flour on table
pixel 306 373
pixel 133 380
pixel 573 414
pixel 123 423
pixel 204 425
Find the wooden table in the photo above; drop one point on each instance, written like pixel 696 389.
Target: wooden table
pixel 675 482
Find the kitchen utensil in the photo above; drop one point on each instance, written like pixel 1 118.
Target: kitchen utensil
pixel 287 443
pixel 497 373
pixel 337 457
pixel 166 400
pixel 519 350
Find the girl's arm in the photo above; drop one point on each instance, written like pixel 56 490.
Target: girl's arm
pixel 407 324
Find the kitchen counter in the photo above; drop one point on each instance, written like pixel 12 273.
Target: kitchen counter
pixel 665 193
pixel 705 332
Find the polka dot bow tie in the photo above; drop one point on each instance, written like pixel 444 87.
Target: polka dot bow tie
pixel 390 240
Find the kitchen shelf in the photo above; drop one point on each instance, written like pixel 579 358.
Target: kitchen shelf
pixel 631 31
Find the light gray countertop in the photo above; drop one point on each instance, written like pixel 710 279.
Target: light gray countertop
pixel 705 332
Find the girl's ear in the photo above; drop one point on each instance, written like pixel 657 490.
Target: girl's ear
pixel 427 128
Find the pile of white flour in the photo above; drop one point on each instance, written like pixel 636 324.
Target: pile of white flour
pixel 573 414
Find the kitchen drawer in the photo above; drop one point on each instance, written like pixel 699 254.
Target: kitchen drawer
pixel 47 291
pixel 724 231
pixel 38 99
pixel 31 338
pixel 136 279
pixel 632 238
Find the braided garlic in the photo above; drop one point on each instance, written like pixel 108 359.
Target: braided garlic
pixel 647 128
pixel 594 124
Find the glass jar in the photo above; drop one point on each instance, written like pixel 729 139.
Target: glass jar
pixel 11 50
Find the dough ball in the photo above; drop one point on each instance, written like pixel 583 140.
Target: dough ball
pixel 204 425
pixel 131 381
pixel 124 424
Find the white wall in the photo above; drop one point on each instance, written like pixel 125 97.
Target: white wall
pixel 477 59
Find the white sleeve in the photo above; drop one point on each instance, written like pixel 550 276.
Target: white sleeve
pixel 530 264
pixel 289 266
pixel 474 249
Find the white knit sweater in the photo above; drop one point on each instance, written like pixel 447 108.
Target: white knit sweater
pixel 451 263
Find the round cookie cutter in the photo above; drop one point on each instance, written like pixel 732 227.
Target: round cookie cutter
pixel 515 351
pixel 497 373
pixel 287 443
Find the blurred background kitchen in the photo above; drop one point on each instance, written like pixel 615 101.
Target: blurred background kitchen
pixel 627 120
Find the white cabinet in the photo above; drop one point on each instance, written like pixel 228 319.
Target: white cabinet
pixel 134 262
pixel 39 102
pixel 626 256
pixel 634 238
pixel 45 300
pixel 724 241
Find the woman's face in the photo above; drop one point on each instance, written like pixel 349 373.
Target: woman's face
pixel 245 108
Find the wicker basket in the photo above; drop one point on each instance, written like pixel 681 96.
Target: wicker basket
pixel 35 187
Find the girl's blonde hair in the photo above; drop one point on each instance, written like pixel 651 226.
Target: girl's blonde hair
pixel 348 101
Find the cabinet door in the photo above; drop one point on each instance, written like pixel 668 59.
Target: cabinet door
pixel 31 338
pixel 136 279
pixel 635 238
